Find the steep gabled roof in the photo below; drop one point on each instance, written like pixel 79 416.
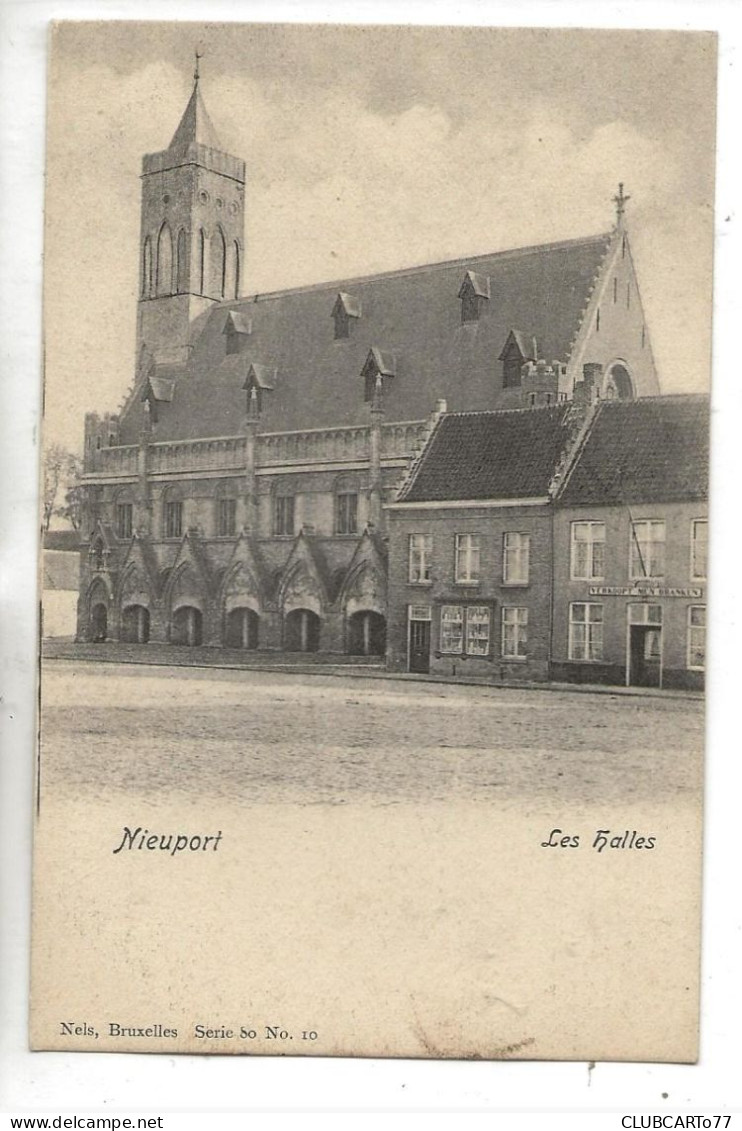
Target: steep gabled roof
pixel 414 314
pixel 491 455
pixel 655 449
pixel 196 127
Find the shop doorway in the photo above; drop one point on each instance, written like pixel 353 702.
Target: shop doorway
pixel 419 639
pixel 644 667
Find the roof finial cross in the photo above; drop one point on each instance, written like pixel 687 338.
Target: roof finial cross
pixel 620 201
pixel 195 72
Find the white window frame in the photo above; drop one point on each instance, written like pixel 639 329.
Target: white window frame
pixel 520 552
pixel 696 522
pixel 480 615
pixel 519 623
pixel 637 558
pixel 587 623
pixel 467 559
pixel 459 620
pixel 690 630
pixel 469 616
pixel 419 555
pixel 591 542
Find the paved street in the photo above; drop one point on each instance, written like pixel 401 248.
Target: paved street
pixel 271 737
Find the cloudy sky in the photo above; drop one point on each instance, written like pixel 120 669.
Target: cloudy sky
pixel 374 148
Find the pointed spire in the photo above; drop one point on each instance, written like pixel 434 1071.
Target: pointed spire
pixel 196 127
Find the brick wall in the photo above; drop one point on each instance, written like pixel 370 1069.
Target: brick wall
pixel 612 669
pixel 491 524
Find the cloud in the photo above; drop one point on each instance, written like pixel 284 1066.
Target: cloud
pixel 341 183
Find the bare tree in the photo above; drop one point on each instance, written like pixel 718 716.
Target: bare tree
pixel 60 468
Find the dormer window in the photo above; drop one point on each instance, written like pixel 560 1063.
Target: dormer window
pixel 260 379
pixel 156 391
pixel 519 348
pixel 474 292
pixel 345 313
pixel 237 330
pixel 379 363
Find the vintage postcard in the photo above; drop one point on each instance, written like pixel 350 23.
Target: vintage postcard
pixel 374 541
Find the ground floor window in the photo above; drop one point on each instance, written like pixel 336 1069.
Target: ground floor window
pixel 514 633
pixel 585 631
pixel 465 629
pixel 697 637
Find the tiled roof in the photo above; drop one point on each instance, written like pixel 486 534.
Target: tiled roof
pixel 492 455
pixel 655 449
pixel 413 314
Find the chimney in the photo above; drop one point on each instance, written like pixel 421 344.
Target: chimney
pixel 587 391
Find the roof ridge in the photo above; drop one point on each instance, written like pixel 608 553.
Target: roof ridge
pixel 402 272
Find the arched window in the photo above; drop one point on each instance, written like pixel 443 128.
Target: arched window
pixel 147 268
pixel 201 260
pixel 236 269
pixel 164 261
pixel 181 268
pixel 220 263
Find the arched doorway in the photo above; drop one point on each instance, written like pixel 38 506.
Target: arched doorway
pixel 98 622
pixel 187 626
pixel 366 633
pixel 618 385
pixel 301 633
pixel 135 624
pixel 242 629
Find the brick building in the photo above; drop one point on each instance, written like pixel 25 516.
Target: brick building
pixel 237 499
pixel 630 539
pixel 564 542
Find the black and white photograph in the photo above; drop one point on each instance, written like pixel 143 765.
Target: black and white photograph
pixel 374 507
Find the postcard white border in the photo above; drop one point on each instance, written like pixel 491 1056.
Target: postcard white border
pixel 42 1082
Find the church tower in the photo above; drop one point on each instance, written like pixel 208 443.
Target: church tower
pixel 192 233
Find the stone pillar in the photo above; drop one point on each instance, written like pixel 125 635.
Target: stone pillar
pixel 144 501
pixel 158 626
pixel 374 455
pixel 252 423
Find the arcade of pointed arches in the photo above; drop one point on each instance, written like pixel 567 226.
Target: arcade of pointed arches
pixel 126 615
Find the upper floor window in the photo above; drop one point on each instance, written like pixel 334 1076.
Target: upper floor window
pixel 174 519
pixel 585 631
pixel 124 520
pixel 697 637
pixel 587 555
pixel 346 512
pixel 420 553
pixel 473 292
pixel 516 555
pixel 648 548
pixel 467 558
pixel 698 549
pixel 283 514
pixel 227 518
